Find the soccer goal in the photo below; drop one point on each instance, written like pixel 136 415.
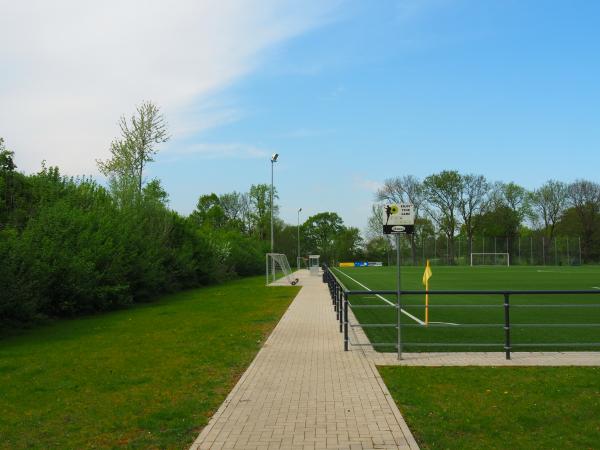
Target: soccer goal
pixel 490 259
pixel 278 268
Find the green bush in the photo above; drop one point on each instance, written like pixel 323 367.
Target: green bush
pixel 69 246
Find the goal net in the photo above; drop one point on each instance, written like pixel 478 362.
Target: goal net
pixel 490 259
pixel 278 269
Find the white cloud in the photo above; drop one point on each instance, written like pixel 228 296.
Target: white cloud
pixel 70 68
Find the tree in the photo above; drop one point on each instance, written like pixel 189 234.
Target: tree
pixel 260 209
pixel 235 208
pixel 208 212
pixel 472 198
pixel 137 145
pixel 498 220
pixel 378 249
pixel 7 181
pixel 442 192
pixel 348 244
pixel 549 202
pixel 6 158
pixel 321 232
pixel 406 189
pixel 375 229
pixel 584 199
pixel 514 197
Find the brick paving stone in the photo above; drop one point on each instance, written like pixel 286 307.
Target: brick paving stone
pixel 303 391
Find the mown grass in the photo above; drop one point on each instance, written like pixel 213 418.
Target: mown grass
pixel 483 309
pixel 147 377
pixel 499 407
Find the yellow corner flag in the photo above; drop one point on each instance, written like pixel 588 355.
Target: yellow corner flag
pixel 426 276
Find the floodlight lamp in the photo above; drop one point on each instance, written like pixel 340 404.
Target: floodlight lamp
pixel 274 157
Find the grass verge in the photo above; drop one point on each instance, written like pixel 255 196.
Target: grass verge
pixel 150 376
pixel 498 407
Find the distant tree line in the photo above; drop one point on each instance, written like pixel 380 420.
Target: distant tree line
pixel 323 234
pixel 71 246
pixel 471 208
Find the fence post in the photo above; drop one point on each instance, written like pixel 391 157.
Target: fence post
pixel 531 249
pixel 340 311
pixel 334 297
pixel 345 322
pixel 544 250
pixel 507 325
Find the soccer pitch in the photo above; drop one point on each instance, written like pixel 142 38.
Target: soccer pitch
pixel 556 322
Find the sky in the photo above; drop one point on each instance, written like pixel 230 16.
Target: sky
pixel 348 92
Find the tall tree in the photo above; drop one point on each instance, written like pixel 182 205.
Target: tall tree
pixel 473 194
pixel 549 202
pixel 208 212
pixel 406 189
pixel 260 209
pixel 514 197
pixel 321 232
pixel 442 191
pixel 7 163
pixel 137 146
pixel 234 205
pixel 7 182
pixel 584 199
pixel 349 244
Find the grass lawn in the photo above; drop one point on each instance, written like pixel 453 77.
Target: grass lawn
pixel 499 407
pixel 459 317
pixel 146 377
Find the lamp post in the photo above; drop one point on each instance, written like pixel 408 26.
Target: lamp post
pixel 273 161
pixel 298 255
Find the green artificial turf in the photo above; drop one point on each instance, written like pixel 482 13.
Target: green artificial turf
pixel 146 377
pixel 499 407
pixel 484 310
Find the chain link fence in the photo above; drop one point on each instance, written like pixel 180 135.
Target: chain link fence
pixel 523 250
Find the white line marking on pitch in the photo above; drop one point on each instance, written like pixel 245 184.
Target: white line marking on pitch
pixel 595 287
pixel 446 323
pixel 416 319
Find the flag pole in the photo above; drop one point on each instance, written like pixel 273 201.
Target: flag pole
pixel 427 303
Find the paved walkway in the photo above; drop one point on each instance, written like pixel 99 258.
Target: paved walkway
pixel 302 391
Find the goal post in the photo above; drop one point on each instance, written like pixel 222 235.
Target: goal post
pixel 490 259
pixel 278 268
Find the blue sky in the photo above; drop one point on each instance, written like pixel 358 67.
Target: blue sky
pixel 362 91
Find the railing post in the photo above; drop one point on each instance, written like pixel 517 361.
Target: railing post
pixel 334 297
pixel 345 321
pixel 507 325
pixel 341 312
pixel 338 306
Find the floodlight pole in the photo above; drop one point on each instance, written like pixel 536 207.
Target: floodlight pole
pixel 273 161
pixel 298 256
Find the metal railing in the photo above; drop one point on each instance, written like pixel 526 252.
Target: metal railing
pixel 340 295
